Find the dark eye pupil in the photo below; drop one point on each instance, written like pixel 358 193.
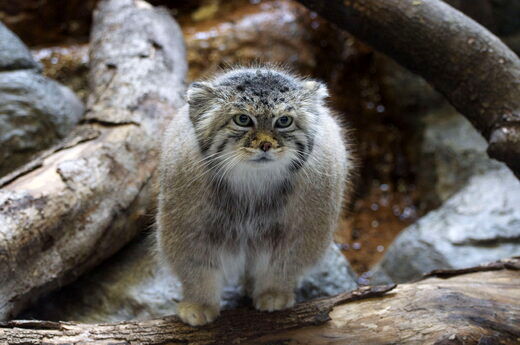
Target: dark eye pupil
pixel 284 121
pixel 243 120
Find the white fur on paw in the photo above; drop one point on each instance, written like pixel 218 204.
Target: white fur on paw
pixel 274 300
pixel 195 314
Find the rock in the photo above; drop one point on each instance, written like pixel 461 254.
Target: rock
pixel 13 53
pixel 452 151
pixel 132 286
pixel 479 224
pixel 35 112
pixel 332 276
pixel 479 220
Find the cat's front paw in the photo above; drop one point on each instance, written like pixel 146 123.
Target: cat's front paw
pixel 274 300
pixel 195 314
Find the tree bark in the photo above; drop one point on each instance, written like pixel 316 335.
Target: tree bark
pixel 473 69
pixel 476 306
pixel 82 201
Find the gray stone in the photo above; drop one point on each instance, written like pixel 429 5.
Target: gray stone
pixel 132 285
pixel 13 53
pixel 479 220
pixel 452 151
pixel 35 112
pixel 333 275
pixel 479 224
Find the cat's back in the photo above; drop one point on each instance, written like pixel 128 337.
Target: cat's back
pixel 332 153
pixel 180 168
pixel 179 141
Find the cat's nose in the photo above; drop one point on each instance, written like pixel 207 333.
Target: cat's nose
pixel 265 146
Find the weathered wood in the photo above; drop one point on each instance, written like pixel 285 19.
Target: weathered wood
pixel 480 307
pixel 82 200
pixel 473 69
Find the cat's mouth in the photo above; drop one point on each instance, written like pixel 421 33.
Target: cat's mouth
pixel 262 159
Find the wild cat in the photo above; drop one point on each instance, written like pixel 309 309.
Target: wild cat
pixel 252 176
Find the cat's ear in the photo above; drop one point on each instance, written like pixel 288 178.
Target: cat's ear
pixel 200 93
pixel 199 98
pixel 316 89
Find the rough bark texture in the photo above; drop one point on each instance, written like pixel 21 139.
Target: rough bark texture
pixel 471 67
pixel 475 306
pixel 81 201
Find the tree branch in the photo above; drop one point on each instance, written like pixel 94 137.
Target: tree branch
pixel 482 304
pixel 473 69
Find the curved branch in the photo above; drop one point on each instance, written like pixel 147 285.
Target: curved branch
pixel 473 69
pixel 479 305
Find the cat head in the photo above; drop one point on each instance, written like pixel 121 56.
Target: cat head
pixel 256 118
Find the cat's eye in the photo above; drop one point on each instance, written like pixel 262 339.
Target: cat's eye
pixel 284 122
pixel 243 120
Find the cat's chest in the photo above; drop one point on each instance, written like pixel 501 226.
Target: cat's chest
pixel 248 210
pixel 235 216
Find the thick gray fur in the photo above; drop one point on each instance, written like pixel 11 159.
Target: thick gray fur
pixel 228 209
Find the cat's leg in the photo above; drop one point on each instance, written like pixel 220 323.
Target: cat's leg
pixel 202 287
pixel 274 283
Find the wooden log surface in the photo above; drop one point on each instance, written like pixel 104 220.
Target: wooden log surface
pixel 473 306
pixel 81 201
pixel 477 73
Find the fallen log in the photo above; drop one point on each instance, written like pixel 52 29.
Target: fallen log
pixel 475 306
pixel 82 201
pixel 477 73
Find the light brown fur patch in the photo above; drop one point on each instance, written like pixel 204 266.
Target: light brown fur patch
pixel 262 137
